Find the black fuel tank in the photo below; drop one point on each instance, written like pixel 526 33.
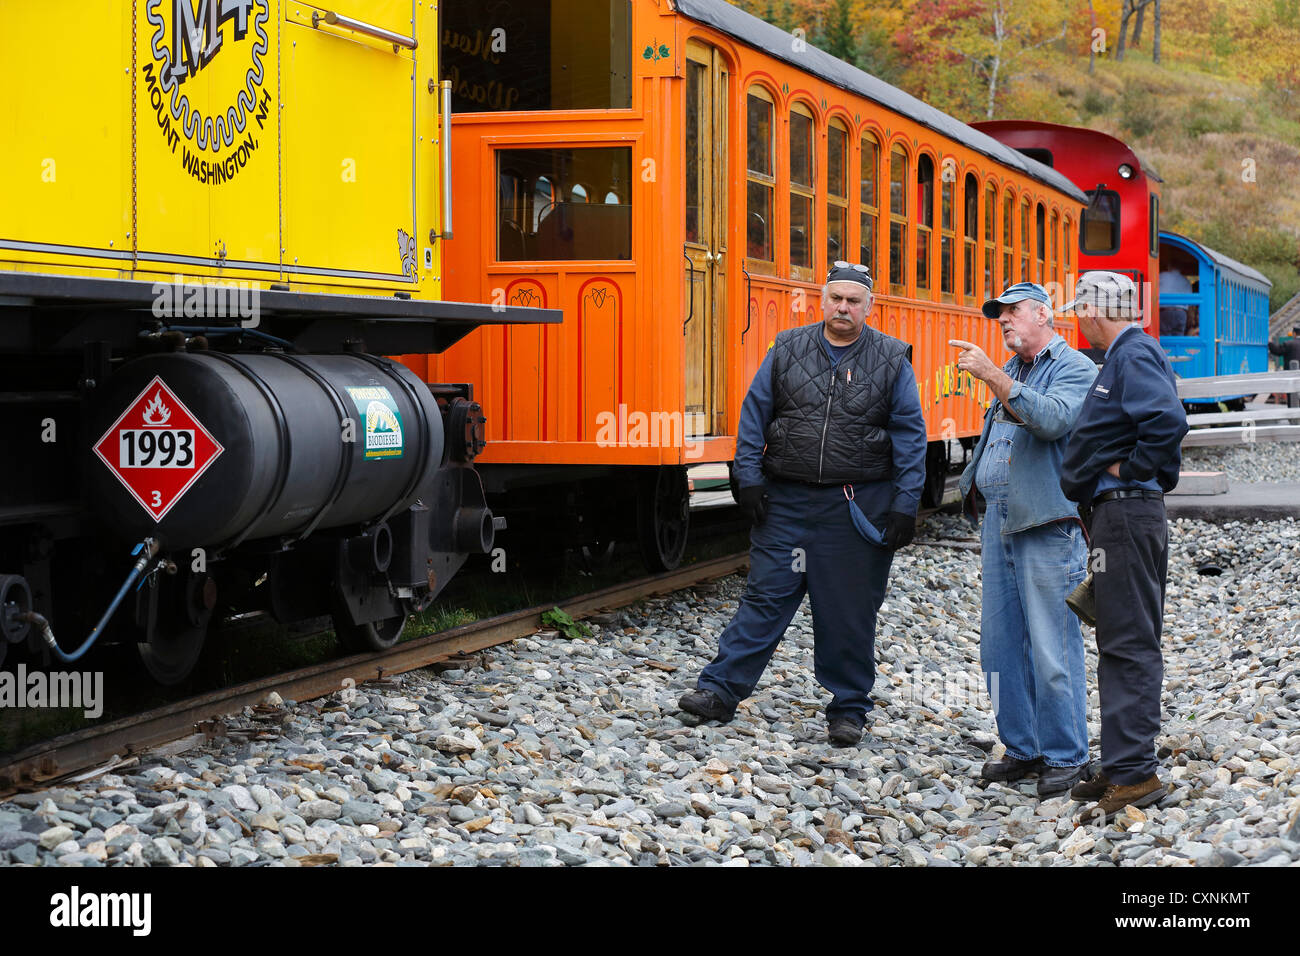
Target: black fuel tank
pixel 207 449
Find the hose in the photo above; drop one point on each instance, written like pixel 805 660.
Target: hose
pixel 147 551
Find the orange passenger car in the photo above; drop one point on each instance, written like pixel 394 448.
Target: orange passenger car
pixel 676 176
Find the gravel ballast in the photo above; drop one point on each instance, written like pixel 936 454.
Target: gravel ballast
pixel 555 752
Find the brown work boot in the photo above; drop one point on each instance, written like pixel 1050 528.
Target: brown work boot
pixel 1119 796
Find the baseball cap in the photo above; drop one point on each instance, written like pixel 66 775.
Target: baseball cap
pixel 1111 291
pixel 1016 293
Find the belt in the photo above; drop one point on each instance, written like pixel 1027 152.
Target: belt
pixel 1127 493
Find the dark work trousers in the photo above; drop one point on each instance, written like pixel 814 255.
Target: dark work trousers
pixel 1130 539
pixel 808 544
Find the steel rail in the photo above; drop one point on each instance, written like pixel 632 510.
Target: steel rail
pixel 44 764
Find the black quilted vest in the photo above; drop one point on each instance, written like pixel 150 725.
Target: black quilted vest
pixel 828 427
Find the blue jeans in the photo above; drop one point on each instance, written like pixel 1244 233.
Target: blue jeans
pixel 808 545
pixel 1031 644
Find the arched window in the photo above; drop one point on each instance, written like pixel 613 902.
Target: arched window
pixel 990 240
pixel 971 233
pixel 760 164
pixel 924 221
pixel 1024 241
pixel 1053 235
pixel 947 231
pixel 1040 248
pixel 1008 239
pixel 898 182
pixel 801 191
pixel 837 192
pixel 578 193
pixel 870 169
pixel 1067 248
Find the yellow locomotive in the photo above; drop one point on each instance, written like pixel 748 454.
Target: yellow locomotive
pixel 218 216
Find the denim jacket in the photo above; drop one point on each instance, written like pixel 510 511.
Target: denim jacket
pixel 1048 402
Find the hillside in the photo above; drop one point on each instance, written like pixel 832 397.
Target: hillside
pixel 1218 117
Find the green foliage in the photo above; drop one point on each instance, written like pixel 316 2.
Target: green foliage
pixel 1095 102
pixel 1139 112
pixel 1212 116
pixel 566 625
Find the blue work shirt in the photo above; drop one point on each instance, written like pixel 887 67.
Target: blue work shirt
pixel 1048 401
pixel 1132 415
pixel 906 430
pixel 1107 481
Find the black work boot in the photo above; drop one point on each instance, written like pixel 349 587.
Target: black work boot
pixel 706 705
pixel 844 732
pixel 1009 768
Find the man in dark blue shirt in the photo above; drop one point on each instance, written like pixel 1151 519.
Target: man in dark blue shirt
pixel 832 422
pixel 1122 457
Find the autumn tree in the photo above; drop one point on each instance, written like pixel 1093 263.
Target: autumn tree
pixel 996 40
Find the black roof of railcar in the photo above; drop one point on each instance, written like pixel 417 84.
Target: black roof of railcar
pixel 776 42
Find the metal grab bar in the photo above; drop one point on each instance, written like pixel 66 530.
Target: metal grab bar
pixel 690 266
pixel 749 303
pixel 446 159
pixel 379 33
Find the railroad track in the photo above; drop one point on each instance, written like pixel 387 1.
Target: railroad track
pixel 47 763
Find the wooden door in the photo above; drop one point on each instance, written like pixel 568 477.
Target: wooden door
pixel 705 251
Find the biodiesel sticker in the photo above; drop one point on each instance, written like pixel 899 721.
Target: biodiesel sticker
pixel 380 421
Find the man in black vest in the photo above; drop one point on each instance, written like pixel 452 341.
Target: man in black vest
pixel 832 422
pixel 1121 459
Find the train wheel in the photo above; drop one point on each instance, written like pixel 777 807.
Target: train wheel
pixel 367 638
pixel 177 635
pixel 663 512
pixel 936 474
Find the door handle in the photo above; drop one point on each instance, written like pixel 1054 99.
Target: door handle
pixel 708 257
pixel 446 159
pixel 358 26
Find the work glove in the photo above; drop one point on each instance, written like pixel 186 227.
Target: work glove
pixel 900 530
pixel 753 502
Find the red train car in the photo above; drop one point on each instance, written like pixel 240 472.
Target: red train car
pixel 1120 228
pixel 675 175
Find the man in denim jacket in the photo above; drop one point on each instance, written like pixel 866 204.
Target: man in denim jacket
pixel 1034 554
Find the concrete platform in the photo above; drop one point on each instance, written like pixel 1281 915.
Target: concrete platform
pixel 1266 501
pixel 1201 483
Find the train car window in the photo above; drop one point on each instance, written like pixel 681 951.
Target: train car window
pixel 870 170
pixel 970 233
pixel 696 85
pixel 1155 225
pixel 801 191
pixel 837 191
pixel 535 220
pixel 1008 243
pixel 1044 156
pixel 990 240
pixel 1024 241
pixel 559 54
pixel 897 220
pixel 1040 223
pixel 1052 235
pixel 761 166
pixel 1067 247
pixel 924 220
pixel 1099 228
pixel 947 238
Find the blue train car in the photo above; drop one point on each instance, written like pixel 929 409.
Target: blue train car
pixel 1213 312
